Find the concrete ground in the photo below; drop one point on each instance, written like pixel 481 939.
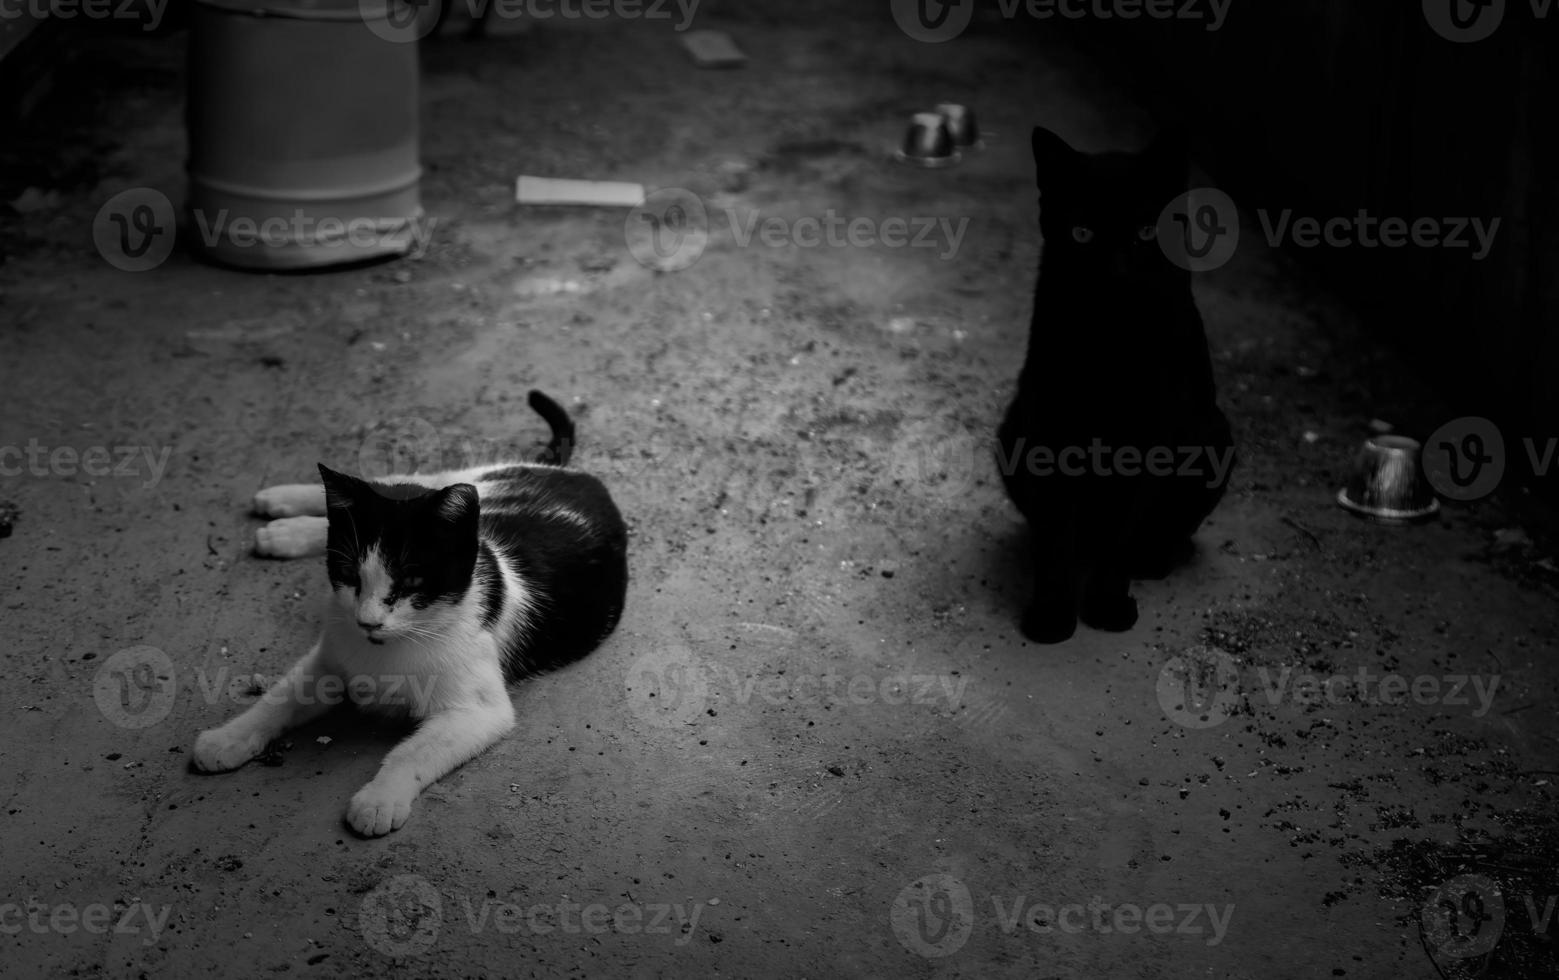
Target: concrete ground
pixel 817 745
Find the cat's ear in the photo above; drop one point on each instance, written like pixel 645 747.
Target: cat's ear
pixel 457 504
pixel 340 490
pixel 1052 155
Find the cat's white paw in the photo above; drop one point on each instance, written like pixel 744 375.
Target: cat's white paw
pixel 291 500
pixel 224 749
pixel 381 806
pixel 292 537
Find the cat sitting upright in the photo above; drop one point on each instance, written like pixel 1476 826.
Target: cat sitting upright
pixel 446 587
pixel 1114 447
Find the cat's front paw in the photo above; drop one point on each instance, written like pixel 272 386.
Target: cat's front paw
pixel 292 537
pixel 1113 613
pixel 225 749
pixel 381 806
pixel 291 500
pixel 1049 621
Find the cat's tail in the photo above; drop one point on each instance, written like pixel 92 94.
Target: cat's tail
pixel 561 448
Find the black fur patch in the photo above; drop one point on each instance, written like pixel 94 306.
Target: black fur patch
pixel 492 586
pixel 578 572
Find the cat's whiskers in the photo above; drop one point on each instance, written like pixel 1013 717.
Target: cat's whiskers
pixel 421 634
pixel 419 629
pixel 357 547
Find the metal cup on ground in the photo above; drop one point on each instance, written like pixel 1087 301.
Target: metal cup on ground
pixel 961 125
pixel 928 143
pixel 1388 485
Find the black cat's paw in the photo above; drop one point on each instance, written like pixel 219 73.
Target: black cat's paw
pixel 1113 613
pixel 1049 622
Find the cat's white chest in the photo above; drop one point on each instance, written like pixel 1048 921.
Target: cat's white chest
pixel 399 678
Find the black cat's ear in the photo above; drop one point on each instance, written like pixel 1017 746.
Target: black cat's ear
pixel 1052 155
pixel 340 490
pixel 457 504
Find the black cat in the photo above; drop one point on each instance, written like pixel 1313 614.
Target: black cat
pixel 1114 447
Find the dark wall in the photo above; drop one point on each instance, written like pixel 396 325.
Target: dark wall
pixel 1329 107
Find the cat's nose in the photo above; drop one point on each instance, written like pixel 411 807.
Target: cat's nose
pixel 369 626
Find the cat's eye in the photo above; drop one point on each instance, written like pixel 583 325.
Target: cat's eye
pixel 1147 233
pixel 1081 235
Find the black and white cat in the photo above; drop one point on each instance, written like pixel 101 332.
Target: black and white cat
pixel 445 588
pixel 1114 447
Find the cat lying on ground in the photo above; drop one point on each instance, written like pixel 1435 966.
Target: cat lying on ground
pixel 1114 447
pixel 445 588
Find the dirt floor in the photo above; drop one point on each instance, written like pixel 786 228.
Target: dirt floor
pixel 817 745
